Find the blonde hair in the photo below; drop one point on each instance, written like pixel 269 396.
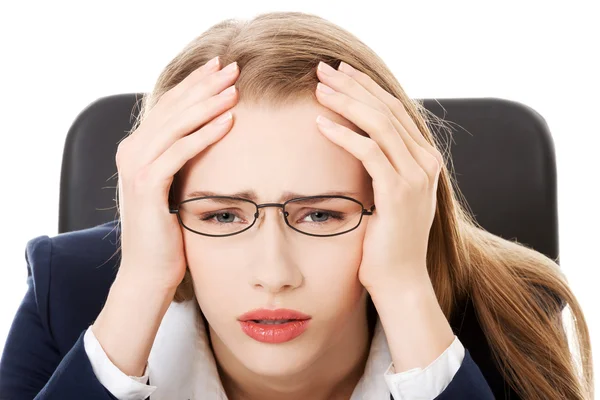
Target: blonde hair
pixel 518 293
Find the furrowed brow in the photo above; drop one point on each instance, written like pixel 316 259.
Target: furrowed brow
pixel 251 194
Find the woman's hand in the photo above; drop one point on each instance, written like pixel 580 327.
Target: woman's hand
pixel 405 170
pixel 175 131
pixel 183 123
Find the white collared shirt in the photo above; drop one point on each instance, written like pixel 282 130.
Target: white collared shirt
pixel 181 366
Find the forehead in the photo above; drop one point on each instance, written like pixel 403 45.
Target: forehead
pixel 272 150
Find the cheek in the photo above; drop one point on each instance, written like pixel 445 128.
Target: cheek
pixel 210 267
pixel 331 272
pixel 213 261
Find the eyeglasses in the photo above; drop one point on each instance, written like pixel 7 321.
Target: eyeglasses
pixel 220 216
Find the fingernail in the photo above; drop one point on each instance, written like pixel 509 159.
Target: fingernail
pixel 223 118
pixel 325 122
pixel 213 62
pixel 229 91
pixel 324 88
pixel 230 68
pixel 325 68
pixel 345 68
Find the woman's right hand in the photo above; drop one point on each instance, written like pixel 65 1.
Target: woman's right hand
pixel 173 132
pixel 182 124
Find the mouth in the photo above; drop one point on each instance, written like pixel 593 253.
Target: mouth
pixel 273 321
pixel 274 326
pixel 274 331
pixel 270 316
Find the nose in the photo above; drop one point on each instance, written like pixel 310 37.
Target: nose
pixel 273 266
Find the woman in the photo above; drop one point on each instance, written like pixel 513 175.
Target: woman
pixel 266 253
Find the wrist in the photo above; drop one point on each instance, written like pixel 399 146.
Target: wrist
pixel 412 304
pixel 143 299
pixel 143 285
pixel 402 289
pixel 128 323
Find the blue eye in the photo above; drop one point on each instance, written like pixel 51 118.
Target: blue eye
pixel 328 215
pixel 211 216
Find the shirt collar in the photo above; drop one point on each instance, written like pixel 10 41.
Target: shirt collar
pixel 182 366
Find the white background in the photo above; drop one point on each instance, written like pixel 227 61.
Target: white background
pixel 57 57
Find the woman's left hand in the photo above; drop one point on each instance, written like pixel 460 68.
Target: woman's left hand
pixel 405 170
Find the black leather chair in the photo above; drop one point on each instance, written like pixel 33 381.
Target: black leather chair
pixel 502 157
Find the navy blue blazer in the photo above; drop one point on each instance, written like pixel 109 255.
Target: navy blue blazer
pixel 69 277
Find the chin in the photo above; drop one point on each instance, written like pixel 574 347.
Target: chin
pixel 277 360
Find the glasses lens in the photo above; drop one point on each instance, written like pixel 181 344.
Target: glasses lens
pixel 323 215
pixel 217 215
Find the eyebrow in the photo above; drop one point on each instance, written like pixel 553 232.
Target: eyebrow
pixel 251 194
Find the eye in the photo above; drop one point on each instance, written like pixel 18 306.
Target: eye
pixel 323 216
pixel 225 215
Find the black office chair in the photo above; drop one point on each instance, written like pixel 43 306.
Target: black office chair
pixel 501 151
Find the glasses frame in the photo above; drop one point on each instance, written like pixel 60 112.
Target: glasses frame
pixel 280 205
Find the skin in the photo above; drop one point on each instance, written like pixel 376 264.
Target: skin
pixel 272 266
pixel 391 265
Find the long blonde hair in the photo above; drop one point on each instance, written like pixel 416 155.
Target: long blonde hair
pixel 519 293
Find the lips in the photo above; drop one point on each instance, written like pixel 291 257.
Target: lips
pixel 274 326
pixel 281 314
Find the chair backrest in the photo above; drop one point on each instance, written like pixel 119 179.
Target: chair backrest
pixel 501 152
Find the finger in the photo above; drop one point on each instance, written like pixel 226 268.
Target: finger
pixel 187 121
pixel 375 124
pixel 366 150
pixel 163 169
pixel 175 92
pixel 343 83
pixel 206 87
pixel 407 125
pixel 202 86
pixel 193 79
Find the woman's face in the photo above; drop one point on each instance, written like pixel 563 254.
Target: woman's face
pixel 271 151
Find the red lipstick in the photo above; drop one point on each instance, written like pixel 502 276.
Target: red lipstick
pixel 274 326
